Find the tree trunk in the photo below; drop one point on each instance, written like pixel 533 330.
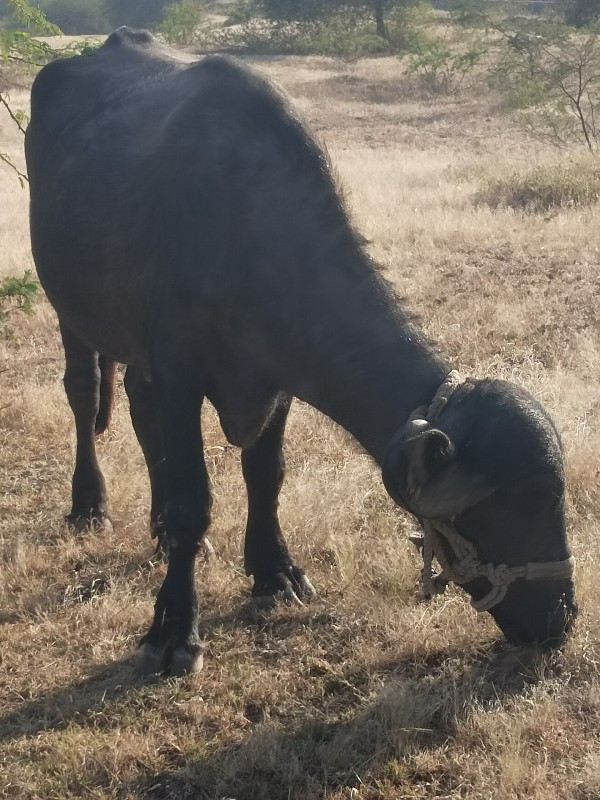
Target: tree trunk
pixel 379 19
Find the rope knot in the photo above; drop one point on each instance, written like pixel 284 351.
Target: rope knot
pixel 498 574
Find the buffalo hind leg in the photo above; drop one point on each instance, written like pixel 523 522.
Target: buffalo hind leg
pixel 82 385
pixel 266 554
pixel 172 644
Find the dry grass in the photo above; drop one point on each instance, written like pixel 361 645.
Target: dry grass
pixel 546 187
pixel 368 693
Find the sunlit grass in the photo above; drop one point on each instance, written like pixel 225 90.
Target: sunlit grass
pixel 368 693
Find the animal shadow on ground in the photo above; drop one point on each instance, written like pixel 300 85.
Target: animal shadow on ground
pixel 116 680
pixel 310 754
pixel 72 703
pixel 84 578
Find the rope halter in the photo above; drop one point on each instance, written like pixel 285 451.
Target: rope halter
pixel 441 536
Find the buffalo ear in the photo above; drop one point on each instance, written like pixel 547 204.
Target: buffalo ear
pixel 425 455
pixel 421 471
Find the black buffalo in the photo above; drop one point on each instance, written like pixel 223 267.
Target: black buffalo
pixel 185 223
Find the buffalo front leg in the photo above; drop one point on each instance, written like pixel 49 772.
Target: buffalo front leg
pixel 144 416
pixel 266 554
pixel 172 645
pixel 82 385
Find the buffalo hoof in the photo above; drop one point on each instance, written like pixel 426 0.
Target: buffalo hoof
pixel 89 523
pixel 290 585
pixel 169 661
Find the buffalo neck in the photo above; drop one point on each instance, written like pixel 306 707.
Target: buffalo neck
pixel 358 357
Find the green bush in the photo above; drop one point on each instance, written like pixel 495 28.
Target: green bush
pixel 181 22
pixel 546 187
pixel 443 62
pixel 520 96
pixel 348 35
pixel 346 30
pixel 404 24
pixel 89 16
pixel 16 294
pixel 256 36
pixel 19 17
pixel 307 10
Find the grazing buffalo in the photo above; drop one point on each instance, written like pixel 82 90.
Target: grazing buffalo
pixel 185 223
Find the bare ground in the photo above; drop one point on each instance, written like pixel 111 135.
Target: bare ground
pixel 368 692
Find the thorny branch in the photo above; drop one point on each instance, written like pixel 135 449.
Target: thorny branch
pixel 21 175
pixel 11 113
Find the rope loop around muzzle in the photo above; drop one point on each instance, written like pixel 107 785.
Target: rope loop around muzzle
pixel 467 566
pixel 441 536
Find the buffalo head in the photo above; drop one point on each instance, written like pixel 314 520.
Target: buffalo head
pixel 490 461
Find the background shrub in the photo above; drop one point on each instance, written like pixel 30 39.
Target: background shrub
pixel 16 294
pixel 342 30
pixel 546 187
pixel 582 12
pixel 442 62
pixel 181 21
pixel 93 16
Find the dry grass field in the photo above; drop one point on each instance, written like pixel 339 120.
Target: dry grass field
pixel 367 693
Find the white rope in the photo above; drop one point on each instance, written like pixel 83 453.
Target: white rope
pixel 439 536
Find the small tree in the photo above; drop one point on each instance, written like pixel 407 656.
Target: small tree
pixel 548 71
pixel 443 62
pixel 551 73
